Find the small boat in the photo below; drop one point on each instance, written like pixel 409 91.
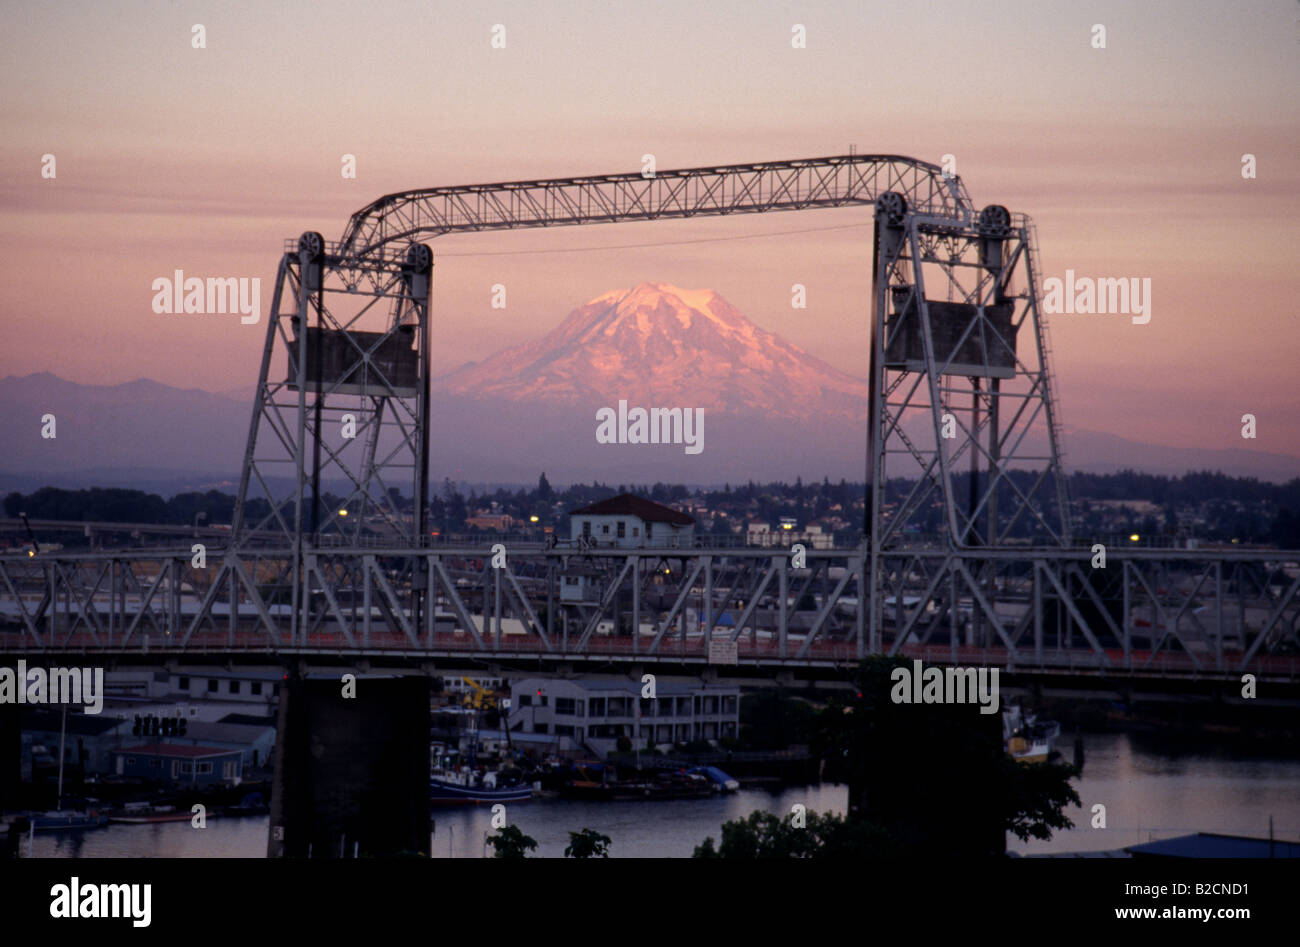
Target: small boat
pixel 66 821
pixel 720 780
pixel 136 814
pixel 1025 743
pixel 254 803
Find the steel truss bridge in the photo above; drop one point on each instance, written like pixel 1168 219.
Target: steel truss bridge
pixel 1148 613
pixel 960 393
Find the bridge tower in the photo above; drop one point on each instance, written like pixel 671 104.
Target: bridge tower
pixel 962 417
pixel 339 436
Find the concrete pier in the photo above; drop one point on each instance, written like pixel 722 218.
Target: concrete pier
pixel 11 754
pixel 351 773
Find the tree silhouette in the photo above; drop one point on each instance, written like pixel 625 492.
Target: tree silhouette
pixel 510 842
pixel 587 844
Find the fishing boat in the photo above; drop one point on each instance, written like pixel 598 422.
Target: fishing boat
pixel 452 788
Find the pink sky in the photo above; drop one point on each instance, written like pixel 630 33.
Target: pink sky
pixel 205 160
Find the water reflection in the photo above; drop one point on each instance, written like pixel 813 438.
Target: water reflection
pixel 1148 794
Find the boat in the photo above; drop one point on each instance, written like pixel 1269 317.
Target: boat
pixel 1046 730
pixel 1025 743
pixel 721 782
pixel 135 813
pixel 465 788
pixel 254 803
pixel 68 820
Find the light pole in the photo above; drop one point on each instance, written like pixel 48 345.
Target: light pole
pixel 199 516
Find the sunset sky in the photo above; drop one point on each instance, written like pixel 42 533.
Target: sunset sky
pixel 1129 158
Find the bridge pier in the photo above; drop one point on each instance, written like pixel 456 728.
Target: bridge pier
pixel 11 754
pixel 351 773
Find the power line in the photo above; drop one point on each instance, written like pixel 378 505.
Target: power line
pixel 666 243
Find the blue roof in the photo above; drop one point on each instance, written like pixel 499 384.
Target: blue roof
pixel 1209 845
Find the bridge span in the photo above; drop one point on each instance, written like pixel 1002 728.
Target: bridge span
pixel 1147 613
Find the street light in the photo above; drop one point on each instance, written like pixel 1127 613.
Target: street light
pixel 199 516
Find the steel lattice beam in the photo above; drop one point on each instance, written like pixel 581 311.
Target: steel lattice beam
pixel 837 181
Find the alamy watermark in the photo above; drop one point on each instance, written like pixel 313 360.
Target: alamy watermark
pixel 955 685
pixel 215 295
pixel 1088 296
pixel 651 426
pixel 103 900
pixel 25 685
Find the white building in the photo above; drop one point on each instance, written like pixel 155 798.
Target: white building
pixel 591 715
pixel 630 521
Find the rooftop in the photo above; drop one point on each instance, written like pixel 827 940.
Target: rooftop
pixel 1210 845
pixel 626 504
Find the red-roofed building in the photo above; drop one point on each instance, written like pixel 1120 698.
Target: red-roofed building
pixel 632 521
pixel 176 763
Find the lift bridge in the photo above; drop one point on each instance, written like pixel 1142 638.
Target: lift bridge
pixel 962 418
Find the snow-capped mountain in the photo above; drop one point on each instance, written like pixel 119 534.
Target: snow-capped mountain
pixel 656 344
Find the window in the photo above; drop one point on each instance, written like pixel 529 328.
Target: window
pixel 255 687
pixel 586 529
pixel 525 700
pixel 543 700
pixel 194 711
pixel 539 728
pixel 155 764
pixel 183 683
pixel 648 707
pixel 130 761
pixel 729 704
pixel 187 768
pixel 563 730
pixel 234 687
pixel 175 767
pixel 597 706
pixel 229 769
pixel 205 769
pixel 212 686
pixel 636 530
pixel 604 530
pixel 564 707
pixel 622 529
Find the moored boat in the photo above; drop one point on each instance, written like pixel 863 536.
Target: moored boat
pixel 65 821
pixel 456 788
pixel 134 814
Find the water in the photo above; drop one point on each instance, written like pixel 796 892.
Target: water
pixel 1149 793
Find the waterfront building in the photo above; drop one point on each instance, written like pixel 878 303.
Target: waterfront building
pixel 181 765
pixel 592 715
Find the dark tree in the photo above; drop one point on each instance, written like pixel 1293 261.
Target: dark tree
pixel 510 842
pixel 587 844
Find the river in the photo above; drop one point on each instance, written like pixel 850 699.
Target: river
pixel 1149 793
